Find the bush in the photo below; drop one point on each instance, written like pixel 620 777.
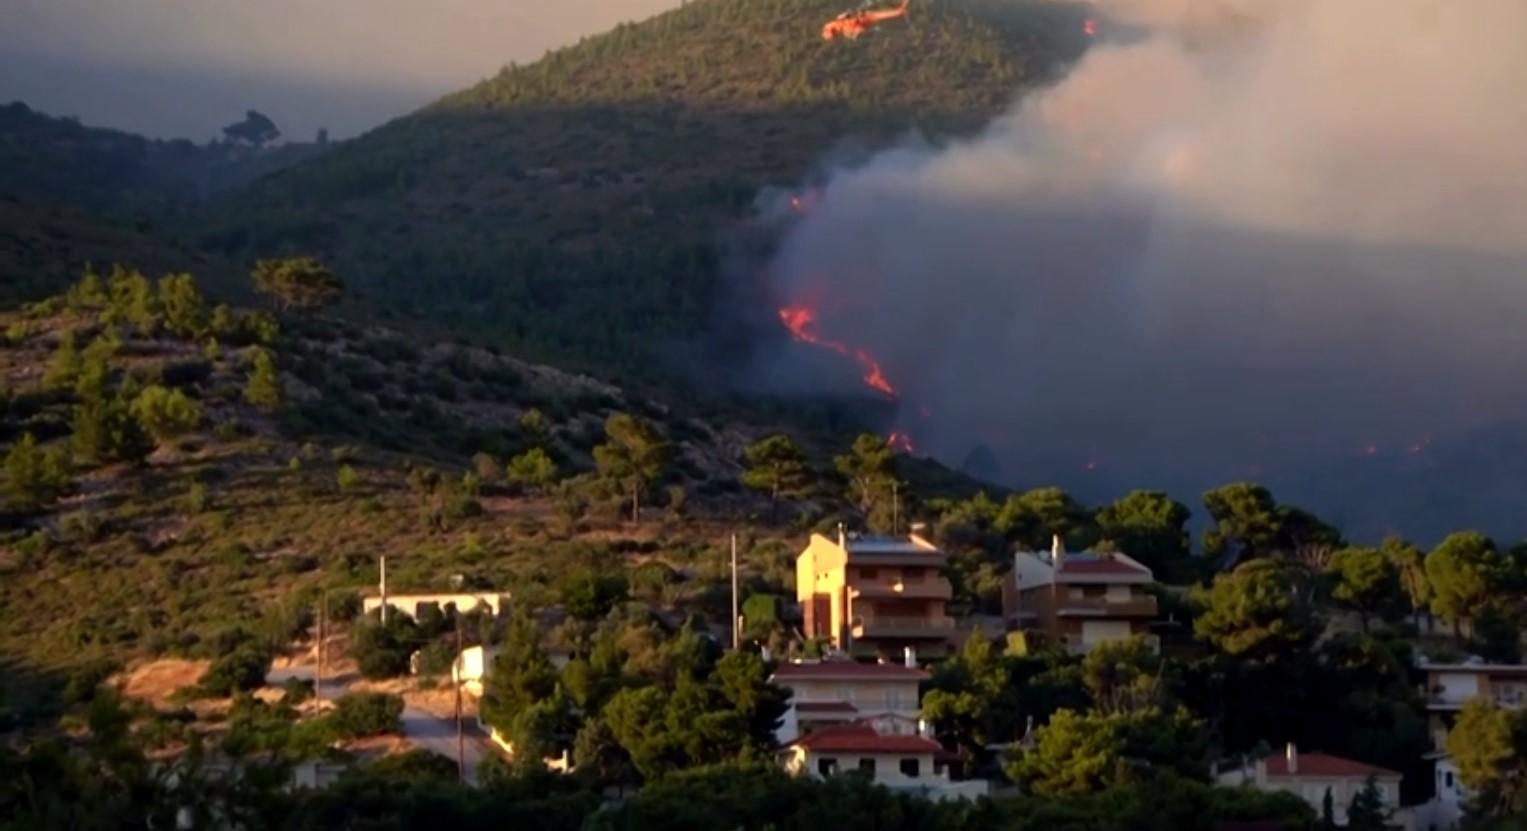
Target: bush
pixel 344 605
pixel 347 478
pixel 382 651
pixel 242 669
pixel 359 715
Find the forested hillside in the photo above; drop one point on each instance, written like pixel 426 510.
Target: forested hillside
pixel 575 207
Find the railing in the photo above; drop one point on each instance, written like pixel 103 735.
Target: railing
pixel 872 625
pixel 1102 606
pixel 933 587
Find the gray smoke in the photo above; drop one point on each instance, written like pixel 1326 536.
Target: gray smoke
pixel 1282 240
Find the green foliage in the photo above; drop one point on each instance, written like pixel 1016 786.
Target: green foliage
pixel 1148 526
pixel 133 302
pixel 532 470
pixel 1034 518
pixel 1489 746
pixel 634 455
pixel 520 677
pixel 365 714
pixel 347 478
pixel 1079 754
pixel 181 301
pixel 981 697
pixel 776 465
pixel 1410 568
pixel 1366 811
pixel 1364 580
pixel 241 669
pixel 589 596
pixel 264 387
pixel 382 650
pixel 1249 523
pixel 1123 676
pixel 536 428
pixel 35 477
pixel 64 367
pixel 761 612
pixel 166 414
pixel 1461 571
pixel 1258 612
pixel 299 283
pixel 105 430
pixel 867 468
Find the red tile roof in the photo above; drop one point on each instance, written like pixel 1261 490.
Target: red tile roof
pixel 862 738
pixel 1109 566
pixel 848 671
pixel 1319 764
pixel 825 707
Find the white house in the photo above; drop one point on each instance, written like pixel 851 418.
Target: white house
pixel 912 763
pixel 1310 776
pixel 826 693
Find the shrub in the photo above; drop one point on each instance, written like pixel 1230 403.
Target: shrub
pixel 242 669
pixel 359 715
pixel 382 651
pixel 347 478
pixel 166 413
pixel 344 605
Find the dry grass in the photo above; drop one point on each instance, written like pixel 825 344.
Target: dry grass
pixel 157 681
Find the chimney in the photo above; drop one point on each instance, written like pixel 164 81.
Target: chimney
pixel 763 652
pixel 1057 551
pixel 1292 754
pixel 924 729
pixel 842 537
pixel 909 657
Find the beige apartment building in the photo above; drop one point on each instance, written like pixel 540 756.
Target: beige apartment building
pixel 1079 599
pixel 875 596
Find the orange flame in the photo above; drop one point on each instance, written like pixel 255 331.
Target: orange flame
pixel 805 203
pixel 900 442
pixel 1090 28
pixel 800 319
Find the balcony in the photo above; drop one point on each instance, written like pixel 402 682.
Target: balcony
pixel 936 588
pixel 1096 607
pixel 892 626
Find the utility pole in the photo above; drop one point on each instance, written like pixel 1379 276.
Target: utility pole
pixel 461 751
pixel 384 589
pixel 736 616
pixel 323 611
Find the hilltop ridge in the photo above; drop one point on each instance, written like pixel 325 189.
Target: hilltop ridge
pixel 573 208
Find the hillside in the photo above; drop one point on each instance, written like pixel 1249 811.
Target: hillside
pixel 154 548
pixel 60 162
pixel 574 208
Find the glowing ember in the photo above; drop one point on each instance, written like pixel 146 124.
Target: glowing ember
pixel 1090 28
pixel 900 442
pixel 800 320
pixel 805 203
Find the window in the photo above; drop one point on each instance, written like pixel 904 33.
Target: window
pixel 909 768
pixel 912 575
pixel 869 573
pixel 893 699
pixel 1094 591
pixel 827 766
pixel 867 766
pixel 1449 779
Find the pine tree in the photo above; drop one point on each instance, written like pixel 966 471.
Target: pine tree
pixel 34 477
pixel 184 310
pixel 264 387
pixel 635 455
pixel 64 367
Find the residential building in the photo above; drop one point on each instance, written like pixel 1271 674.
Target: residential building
pixel 828 693
pixel 875 596
pixel 1310 776
pixel 412 604
pixel 1445 689
pixel 1080 599
pixel 913 763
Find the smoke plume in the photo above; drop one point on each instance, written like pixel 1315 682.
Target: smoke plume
pixel 1283 241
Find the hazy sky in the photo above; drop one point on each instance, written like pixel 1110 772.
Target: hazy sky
pixel 188 67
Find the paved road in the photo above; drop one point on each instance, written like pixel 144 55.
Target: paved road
pixel 421 729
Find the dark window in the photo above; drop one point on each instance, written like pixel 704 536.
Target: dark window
pixel 909 768
pixel 868 766
pixel 1094 591
pixel 827 767
pixel 912 575
pixel 869 573
pixel 1449 777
